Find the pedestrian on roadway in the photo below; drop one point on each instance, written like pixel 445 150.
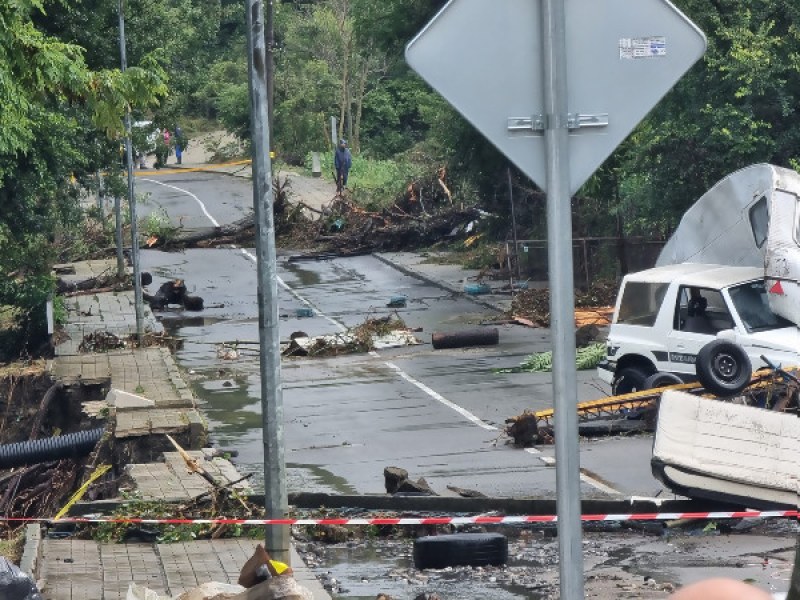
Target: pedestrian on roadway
pixel 180 144
pixel 342 161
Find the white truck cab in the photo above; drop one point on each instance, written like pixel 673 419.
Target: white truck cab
pixel 664 317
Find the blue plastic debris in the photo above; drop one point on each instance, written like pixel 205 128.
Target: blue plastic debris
pixel 397 302
pixel 474 289
pixel 304 312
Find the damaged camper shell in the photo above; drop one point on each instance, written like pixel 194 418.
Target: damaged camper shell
pixel 750 218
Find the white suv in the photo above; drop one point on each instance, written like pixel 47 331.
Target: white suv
pixel 692 321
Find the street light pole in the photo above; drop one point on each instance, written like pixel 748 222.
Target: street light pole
pixel 275 497
pixel 137 279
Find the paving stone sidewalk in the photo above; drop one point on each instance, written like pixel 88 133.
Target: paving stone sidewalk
pixel 89 570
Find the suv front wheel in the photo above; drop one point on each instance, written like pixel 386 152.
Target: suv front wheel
pixel 627 380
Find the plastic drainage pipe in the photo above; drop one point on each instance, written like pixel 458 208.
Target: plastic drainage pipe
pixel 31 452
pixel 463 339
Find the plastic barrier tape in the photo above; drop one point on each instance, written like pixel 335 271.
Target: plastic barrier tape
pixel 498 520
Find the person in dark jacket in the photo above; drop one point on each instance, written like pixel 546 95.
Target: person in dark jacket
pixel 342 161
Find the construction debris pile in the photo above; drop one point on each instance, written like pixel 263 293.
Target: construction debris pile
pixel 592 306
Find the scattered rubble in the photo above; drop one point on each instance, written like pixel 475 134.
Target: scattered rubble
pixel 260 577
pixel 397 481
pixel 594 306
pixel 173 292
pixel 372 334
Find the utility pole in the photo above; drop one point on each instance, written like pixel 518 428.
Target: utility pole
pixel 271 68
pixel 275 497
pixel 137 278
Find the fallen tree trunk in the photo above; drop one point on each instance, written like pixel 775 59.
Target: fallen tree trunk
pixel 195 236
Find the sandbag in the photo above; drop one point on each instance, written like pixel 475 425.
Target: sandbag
pixel 14 584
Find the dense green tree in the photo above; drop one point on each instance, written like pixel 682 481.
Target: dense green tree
pixel 59 122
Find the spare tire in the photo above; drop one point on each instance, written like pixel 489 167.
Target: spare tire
pixel 723 368
pixel 661 379
pixel 472 549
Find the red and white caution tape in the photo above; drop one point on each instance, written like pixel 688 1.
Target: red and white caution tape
pixel 498 520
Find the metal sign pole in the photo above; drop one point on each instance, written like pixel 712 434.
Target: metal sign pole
pixel 275 497
pixel 137 277
pixel 562 300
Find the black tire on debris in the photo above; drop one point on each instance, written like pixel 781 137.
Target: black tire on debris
pixel 661 379
pixel 723 368
pixel 471 549
pixel 629 379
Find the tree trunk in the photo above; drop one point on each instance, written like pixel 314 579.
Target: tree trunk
pixel 622 255
pixel 347 41
pixel 362 89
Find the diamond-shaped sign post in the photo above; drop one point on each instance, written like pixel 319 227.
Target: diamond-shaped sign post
pixel 485 58
pixel 556 85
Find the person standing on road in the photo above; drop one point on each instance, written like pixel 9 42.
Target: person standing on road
pixel 179 144
pixel 342 161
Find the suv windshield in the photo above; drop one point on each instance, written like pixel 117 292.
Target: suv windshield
pixel 750 300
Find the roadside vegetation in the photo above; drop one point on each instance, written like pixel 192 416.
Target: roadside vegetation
pixel 187 64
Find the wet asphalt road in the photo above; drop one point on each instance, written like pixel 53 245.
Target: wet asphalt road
pixel 437 414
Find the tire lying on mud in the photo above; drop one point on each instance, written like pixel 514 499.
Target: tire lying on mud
pixel 471 549
pixel 723 368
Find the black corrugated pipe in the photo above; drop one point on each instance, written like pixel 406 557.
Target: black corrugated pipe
pixel 71 445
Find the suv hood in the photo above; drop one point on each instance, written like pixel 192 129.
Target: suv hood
pixel 786 339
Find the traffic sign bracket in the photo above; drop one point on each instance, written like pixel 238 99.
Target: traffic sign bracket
pixel 537 124
pixel 579 120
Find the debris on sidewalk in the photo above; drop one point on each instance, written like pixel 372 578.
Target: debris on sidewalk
pixel 260 578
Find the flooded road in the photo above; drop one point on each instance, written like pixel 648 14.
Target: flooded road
pixel 438 414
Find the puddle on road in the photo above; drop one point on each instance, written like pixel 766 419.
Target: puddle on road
pixel 363 569
pixel 233 411
pixel 304 276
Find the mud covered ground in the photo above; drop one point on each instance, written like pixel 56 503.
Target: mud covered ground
pixel 619 562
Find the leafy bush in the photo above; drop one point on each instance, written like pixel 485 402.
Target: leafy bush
pixel 373 183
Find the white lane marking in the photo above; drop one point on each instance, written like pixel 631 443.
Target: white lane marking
pixel 438 397
pixel 308 303
pixel 432 393
pixel 600 485
pixel 188 193
pixel 585 477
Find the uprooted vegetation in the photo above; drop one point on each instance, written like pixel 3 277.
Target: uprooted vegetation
pixel 425 213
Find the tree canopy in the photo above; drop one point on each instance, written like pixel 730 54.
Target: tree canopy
pixel 63 100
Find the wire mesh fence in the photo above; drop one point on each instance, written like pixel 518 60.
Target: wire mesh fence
pixel 594 258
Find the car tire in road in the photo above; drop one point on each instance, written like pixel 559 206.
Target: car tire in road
pixel 471 549
pixel 629 379
pixel 723 368
pixel 661 379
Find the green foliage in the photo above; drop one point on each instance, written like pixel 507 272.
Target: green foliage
pixel 585 358
pixel 374 183
pixel 158 224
